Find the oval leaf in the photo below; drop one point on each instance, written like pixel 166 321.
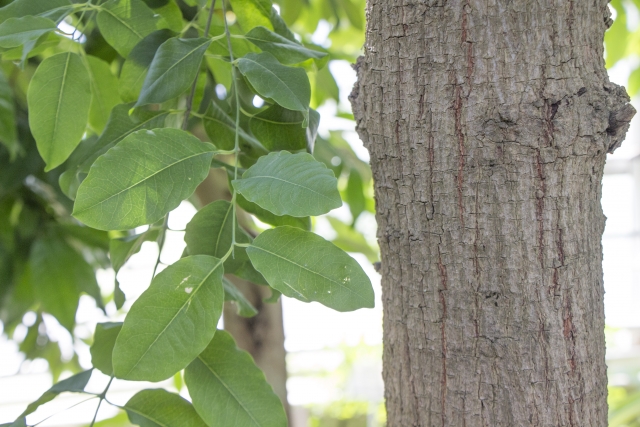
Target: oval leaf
pixel 290 184
pixel 59 96
pixel 229 390
pixel 124 23
pixel 102 348
pixel 285 50
pixel 159 408
pixel 15 32
pixel 141 179
pixel 173 69
pixel 103 95
pixel 172 321
pixel 288 86
pixel 280 129
pixel 303 265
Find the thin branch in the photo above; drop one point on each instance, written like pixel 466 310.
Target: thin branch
pixel 102 397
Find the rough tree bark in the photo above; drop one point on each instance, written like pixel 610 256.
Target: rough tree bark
pixel 488 124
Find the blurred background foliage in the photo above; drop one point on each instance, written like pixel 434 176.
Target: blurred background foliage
pixel 43 248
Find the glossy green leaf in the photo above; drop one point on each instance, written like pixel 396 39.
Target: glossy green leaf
pixel 290 184
pixel 280 129
pixel 59 273
pixel 120 250
pixel 210 233
pixel 221 127
pixel 173 69
pixel 53 9
pixel 252 13
pixel 159 408
pixel 267 217
pixel 142 179
pixel 103 94
pixel 8 130
pixel 232 293
pixel 104 339
pixel 355 194
pixel 288 86
pixel 172 321
pixel 124 23
pixel 59 96
pixel 229 390
pixel 15 32
pixel 73 384
pixel 135 68
pixel 285 50
pixel 303 265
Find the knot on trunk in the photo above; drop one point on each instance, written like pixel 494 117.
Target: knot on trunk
pixel 620 114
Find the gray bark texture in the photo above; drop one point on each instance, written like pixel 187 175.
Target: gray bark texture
pixel 488 124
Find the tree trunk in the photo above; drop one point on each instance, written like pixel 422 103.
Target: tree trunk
pixel 488 124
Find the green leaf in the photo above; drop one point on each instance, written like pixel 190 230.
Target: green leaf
pixel 229 390
pixel 252 13
pixel 170 13
pixel 210 233
pixel 304 266
pixel 285 50
pixel 59 274
pixel 350 240
pixel 104 339
pixel 280 129
pixel 124 23
pixel 59 96
pixel 288 86
pixel 232 293
pixel 267 217
pixel 15 32
pixel 120 250
pixel 221 128
pixel 173 69
pixel 73 384
pixel 53 9
pixel 159 408
pixel 135 68
pixel 172 321
pixel 103 94
pixel 8 129
pixel 142 179
pixel 290 184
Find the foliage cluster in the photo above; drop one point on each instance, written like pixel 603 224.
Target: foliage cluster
pixel 116 122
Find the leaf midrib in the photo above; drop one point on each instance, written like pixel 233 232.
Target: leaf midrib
pixel 141 181
pixel 55 121
pixel 39 31
pixel 301 106
pixel 229 390
pixel 186 303
pixel 285 181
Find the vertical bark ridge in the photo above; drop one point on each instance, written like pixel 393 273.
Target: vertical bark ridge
pixel 488 124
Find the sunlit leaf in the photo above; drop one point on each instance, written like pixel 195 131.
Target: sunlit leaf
pixel 252 13
pixel 229 390
pixel 172 321
pixel 124 23
pixel 141 179
pixel 303 265
pixel 59 97
pixel 290 184
pixel 159 408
